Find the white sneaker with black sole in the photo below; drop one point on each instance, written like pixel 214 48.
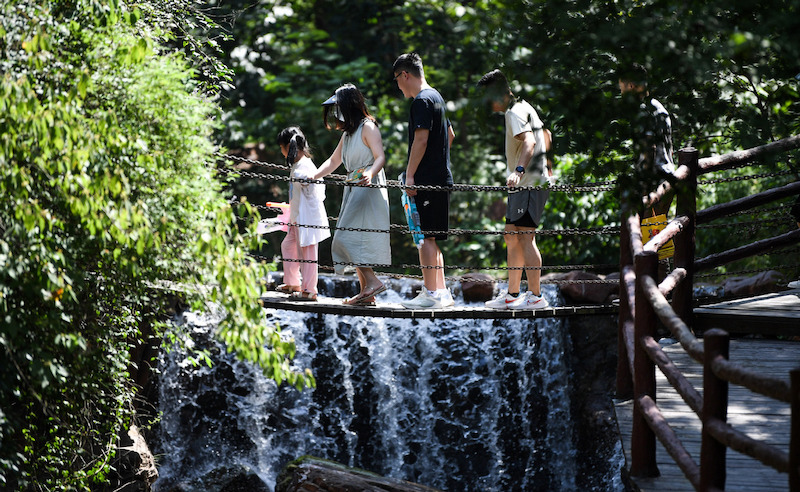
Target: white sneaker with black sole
pixel 528 301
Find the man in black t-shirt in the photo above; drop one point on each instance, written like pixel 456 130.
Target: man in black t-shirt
pixel 429 137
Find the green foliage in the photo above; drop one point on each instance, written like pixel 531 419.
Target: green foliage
pixel 109 189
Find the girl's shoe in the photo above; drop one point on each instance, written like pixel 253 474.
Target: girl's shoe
pixel 287 289
pixel 304 296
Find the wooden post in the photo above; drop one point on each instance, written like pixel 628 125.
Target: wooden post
pixel 715 406
pixel 624 376
pixel 643 439
pixel 794 439
pixel 686 205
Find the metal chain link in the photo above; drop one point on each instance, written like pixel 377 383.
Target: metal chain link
pixel 339 181
pixel 452 267
pixel 744 178
pixel 592 231
pixel 742 272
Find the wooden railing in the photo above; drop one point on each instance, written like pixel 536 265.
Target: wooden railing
pixel 643 301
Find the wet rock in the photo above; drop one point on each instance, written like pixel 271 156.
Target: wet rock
pixel 477 287
pixel 763 283
pixel 224 479
pixel 135 465
pixel 589 293
pixel 308 474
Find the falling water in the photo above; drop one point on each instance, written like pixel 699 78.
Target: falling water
pixel 458 405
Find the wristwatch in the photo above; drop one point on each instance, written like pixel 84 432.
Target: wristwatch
pixel 520 169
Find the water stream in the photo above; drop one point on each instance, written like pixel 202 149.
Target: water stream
pixel 459 405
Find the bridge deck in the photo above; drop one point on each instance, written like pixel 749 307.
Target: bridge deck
pixel 330 305
pixel 769 314
pixel 758 416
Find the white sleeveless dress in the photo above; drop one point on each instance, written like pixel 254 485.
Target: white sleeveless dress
pixel 362 208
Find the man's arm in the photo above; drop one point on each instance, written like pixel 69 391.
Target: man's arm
pixel 415 156
pixel 451 134
pixel 528 144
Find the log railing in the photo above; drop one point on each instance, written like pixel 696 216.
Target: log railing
pixel 643 302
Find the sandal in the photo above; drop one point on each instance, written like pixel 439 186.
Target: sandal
pixel 374 292
pixel 287 289
pixel 359 301
pixel 304 296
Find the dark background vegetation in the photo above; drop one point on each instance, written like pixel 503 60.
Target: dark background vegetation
pixel 726 71
pixel 110 114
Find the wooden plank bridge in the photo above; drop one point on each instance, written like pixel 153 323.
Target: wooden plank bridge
pixel 758 416
pixel 777 313
pixel 330 305
pixel 712 413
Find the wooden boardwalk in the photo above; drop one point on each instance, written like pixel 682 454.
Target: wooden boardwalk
pixel 758 416
pixel 330 305
pixel 769 314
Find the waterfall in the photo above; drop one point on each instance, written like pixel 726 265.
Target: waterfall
pixel 457 405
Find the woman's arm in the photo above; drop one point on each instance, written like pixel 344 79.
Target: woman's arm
pixel 333 162
pixel 371 136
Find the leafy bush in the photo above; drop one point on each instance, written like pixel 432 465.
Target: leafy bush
pixel 109 190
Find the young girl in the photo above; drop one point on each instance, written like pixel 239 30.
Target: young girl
pixel 306 208
pixel 361 151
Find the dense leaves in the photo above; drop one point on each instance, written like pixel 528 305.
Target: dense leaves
pixel 109 193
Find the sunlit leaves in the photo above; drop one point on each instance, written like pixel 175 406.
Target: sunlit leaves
pixel 108 188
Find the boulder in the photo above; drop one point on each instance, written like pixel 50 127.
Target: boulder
pixel 589 293
pixel 477 287
pixel 135 465
pixel 763 283
pixel 309 474
pixel 238 478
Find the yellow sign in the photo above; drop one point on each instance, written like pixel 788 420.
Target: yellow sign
pixel 652 226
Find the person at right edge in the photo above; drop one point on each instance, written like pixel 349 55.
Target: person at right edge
pixel 429 137
pixel 651 128
pixel 526 156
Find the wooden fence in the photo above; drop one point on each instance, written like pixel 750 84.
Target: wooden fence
pixel 643 301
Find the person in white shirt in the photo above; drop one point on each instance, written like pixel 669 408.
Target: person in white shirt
pixel 526 156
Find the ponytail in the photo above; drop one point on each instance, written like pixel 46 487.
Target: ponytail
pixel 293 138
pixel 291 156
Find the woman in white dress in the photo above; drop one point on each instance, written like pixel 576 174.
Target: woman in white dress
pixel 361 151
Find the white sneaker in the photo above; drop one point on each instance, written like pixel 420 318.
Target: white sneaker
pixel 502 301
pixel 444 297
pixel 795 284
pixel 528 301
pixel 423 301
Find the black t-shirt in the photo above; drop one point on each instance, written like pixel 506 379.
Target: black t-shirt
pixel 428 112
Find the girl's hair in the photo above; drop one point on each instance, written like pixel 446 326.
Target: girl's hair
pixel 293 138
pixel 348 112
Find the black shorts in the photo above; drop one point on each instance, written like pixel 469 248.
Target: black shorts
pixel 434 212
pixel 525 207
pixel 524 221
